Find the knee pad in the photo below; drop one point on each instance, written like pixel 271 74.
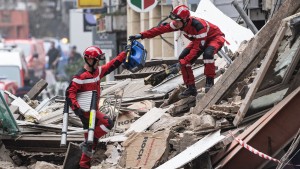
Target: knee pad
pixel 184 53
pixel 209 53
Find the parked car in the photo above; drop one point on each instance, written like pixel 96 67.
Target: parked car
pixel 13 65
pixel 34 53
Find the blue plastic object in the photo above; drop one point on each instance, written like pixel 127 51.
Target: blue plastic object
pixel 137 58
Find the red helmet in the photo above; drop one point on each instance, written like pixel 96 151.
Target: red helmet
pixel 94 52
pixel 180 12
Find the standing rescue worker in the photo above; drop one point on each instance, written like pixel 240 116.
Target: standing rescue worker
pixel 88 79
pixel 205 38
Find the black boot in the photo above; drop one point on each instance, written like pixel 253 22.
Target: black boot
pixel 190 91
pixel 209 83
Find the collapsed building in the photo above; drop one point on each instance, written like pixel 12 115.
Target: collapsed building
pixel 253 103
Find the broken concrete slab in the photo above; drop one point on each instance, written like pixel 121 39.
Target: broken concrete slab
pixel 168 122
pixel 183 140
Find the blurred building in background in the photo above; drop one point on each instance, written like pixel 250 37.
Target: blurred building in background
pixel 14 21
pixel 34 18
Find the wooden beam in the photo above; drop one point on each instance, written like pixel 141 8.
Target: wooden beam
pixel 37 89
pixel 261 74
pixel 260 41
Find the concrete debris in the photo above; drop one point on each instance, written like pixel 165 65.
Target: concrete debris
pixel 182 106
pixel 182 140
pixel 203 122
pixel 44 165
pixel 154 128
pixel 113 153
pixel 169 122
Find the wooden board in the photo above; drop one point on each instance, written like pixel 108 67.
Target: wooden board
pixel 37 89
pixel 260 41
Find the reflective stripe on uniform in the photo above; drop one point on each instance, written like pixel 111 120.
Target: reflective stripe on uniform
pixel 208 60
pixel 104 128
pixel 172 26
pixel 202 35
pixel 85 81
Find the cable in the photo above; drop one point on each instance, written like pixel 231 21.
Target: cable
pixel 169 43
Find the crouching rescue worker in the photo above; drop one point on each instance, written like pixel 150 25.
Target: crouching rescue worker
pixel 88 79
pixel 205 38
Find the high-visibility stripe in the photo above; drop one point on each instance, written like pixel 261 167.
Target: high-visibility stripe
pixel 172 25
pixel 202 35
pixel 85 81
pixel 208 60
pixel 104 128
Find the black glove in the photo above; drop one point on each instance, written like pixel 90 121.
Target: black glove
pixel 127 47
pixel 134 37
pixel 79 112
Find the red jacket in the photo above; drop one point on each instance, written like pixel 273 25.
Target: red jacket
pixel 86 81
pixel 196 29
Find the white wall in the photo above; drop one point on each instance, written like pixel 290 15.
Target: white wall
pixel 77 37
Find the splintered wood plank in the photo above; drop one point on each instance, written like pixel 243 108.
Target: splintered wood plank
pixel 37 89
pixel 255 46
pixel 261 74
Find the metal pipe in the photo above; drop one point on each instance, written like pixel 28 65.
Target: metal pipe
pixel 222 54
pixel 92 118
pixel 245 17
pixel 64 129
pixel 77 132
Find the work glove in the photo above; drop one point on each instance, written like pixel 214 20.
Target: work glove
pixel 127 47
pixel 79 112
pixel 134 37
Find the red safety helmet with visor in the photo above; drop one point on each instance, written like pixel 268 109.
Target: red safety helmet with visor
pixel 94 52
pixel 180 13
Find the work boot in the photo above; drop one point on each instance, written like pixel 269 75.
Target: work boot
pixel 190 91
pixel 209 83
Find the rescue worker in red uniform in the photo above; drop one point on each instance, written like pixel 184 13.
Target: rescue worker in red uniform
pixel 88 79
pixel 205 38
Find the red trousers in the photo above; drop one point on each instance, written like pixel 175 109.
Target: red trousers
pixel 102 126
pixel 190 54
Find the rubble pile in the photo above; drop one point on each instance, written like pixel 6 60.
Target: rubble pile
pixel 255 99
